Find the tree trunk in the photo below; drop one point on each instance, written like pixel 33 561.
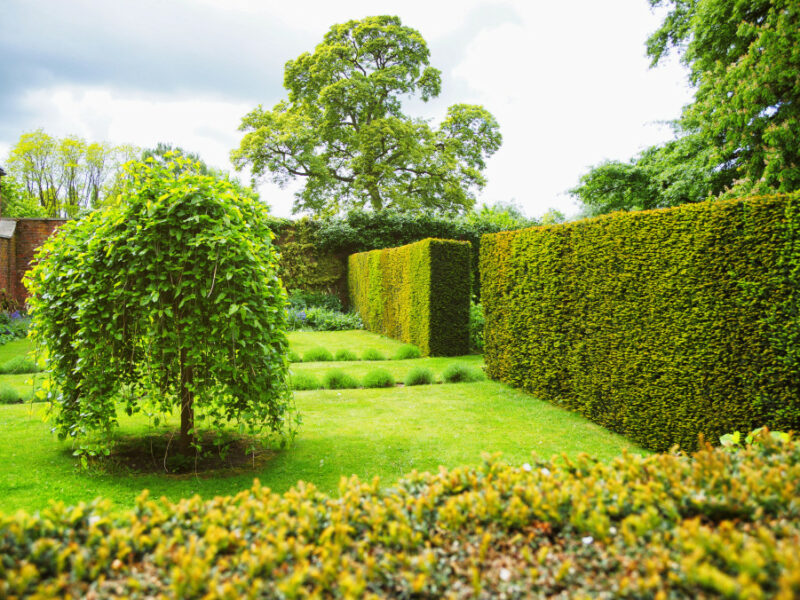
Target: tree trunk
pixel 375 198
pixel 187 408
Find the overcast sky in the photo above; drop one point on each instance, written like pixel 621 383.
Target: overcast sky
pixel 568 81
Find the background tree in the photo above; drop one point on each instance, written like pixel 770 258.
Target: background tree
pixel 16 203
pixel 344 132
pixel 64 175
pixel 744 59
pixel 741 134
pixel 168 298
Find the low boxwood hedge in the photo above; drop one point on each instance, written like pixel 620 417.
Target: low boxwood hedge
pixel 714 524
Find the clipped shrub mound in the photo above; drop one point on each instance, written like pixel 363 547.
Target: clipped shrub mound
pixel 318 354
pixel 715 524
pixel 407 351
pixel 9 395
pixel 419 376
pixel 417 293
pixel 19 364
pixel 659 325
pixel 345 355
pixel 461 373
pixel 339 380
pixel 373 354
pixel 378 378
pixel 304 381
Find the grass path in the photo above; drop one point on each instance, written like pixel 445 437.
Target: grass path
pixel 384 433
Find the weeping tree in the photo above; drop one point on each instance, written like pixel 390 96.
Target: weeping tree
pixel 168 300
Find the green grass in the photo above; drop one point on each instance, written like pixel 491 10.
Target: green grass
pixel 398 368
pixel 355 339
pixel 20 382
pixel 367 432
pixel 21 347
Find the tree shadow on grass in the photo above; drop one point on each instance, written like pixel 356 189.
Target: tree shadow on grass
pixel 215 455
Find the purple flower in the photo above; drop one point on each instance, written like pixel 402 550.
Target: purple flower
pixel 15 315
pixel 301 315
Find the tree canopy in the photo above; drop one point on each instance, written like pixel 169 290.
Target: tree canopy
pixel 64 175
pixel 168 298
pixel 343 130
pixel 741 134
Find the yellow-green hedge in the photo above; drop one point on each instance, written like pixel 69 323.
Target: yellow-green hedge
pixel 714 525
pixel 659 325
pixel 417 293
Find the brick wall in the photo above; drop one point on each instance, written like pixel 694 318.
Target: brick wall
pixel 17 252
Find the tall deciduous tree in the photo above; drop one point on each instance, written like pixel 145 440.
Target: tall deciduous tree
pixel 167 299
pixel 343 129
pixel 64 175
pixel 744 59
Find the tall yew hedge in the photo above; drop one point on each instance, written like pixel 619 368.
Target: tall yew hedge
pixel 417 293
pixel 660 325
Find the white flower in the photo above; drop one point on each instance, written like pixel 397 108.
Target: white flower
pixel 612 530
pixel 505 574
pixel 545 471
pixel 587 540
pixel 526 467
pixel 93 520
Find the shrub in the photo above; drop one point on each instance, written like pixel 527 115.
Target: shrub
pixel 407 351
pixel 659 325
pixel 294 357
pixel 304 381
pixel 419 376
pixel 320 319
pixel 318 354
pixel 19 364
pixel 13 325
pixel 461 373
pixel 344 354
pixel 339 380
pixel 417 293
pixel 476 325
pixel 173 293
pixel 372 354
pixel 717 524
pixel 302 299
pixel 9 394
pixel 378 378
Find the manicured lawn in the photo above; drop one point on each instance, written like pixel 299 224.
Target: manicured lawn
pixel 21 347
pixel 384 433
pixel 398 368
pixel 356 340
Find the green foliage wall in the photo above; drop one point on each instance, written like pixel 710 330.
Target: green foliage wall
pixel 306 266
pixel 660 325
pixel 417 293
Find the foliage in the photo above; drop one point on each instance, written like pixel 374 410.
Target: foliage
pixel 373 354
pixel 339 380
pixel 318 354
pixel 170 298
pixel 294 356
pixel 678 172
pixel 476 326
pixel 9 394
pixel 461 373
pixel 13 325
pixel 304 381
pixel 659 325
pixel 712 525
pixel 303 299
pixel 345 355
pixel 735 442
pixel 419 376
pixel 314 273
pixel 417 293
pixel 407 351
pixel 19 364
pixel 17 203
pixel 343 130
pixel 378 378
pixel 743 59
pixel 321 319
pixel 64 176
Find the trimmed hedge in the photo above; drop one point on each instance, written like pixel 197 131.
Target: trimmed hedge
pixel 417 293
pixel 659 325
pixel 715 525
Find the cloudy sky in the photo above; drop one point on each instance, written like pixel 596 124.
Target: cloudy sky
pixel 568 81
